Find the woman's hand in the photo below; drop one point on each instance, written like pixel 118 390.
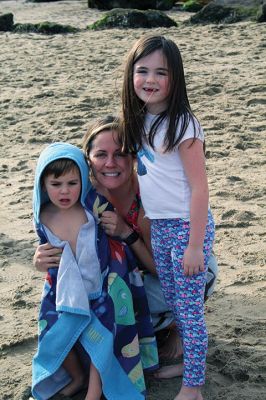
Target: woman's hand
pixel 193 261
pixel 46 256
pixel 114 225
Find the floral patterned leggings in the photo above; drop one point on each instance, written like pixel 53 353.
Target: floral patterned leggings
pixel 184 295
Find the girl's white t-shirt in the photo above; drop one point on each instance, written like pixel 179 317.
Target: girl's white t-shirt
pixel 164 188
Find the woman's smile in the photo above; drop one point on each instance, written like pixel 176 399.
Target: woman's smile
pixel 111 167
pixel 111 174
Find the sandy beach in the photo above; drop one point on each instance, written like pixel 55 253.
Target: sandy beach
pixel 51 88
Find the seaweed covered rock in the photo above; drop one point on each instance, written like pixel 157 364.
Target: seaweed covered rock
pixel 48 28
pixel 261 17
pixel 6 22
pixel 121 18
pixel 41 1
pixel 212 13
pixel 217 13
pixel 194 5
pixel 135 4
pixel 242 3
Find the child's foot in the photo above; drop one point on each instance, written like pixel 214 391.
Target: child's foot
pixel 189 393
pixel 184 397
pixel 172 348
pixel 169 371
pixel 94 396
pixel 95 385
pixel 74 387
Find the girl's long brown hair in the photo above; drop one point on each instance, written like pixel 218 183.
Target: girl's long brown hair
pixel 134 109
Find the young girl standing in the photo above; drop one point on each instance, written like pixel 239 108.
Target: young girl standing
pixel 158 123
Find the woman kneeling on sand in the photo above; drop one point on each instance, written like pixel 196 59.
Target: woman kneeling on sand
pixel 114 177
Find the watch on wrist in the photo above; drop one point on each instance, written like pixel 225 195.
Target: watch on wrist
pixel 132 238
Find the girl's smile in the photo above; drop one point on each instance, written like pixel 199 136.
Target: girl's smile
pixel 151 81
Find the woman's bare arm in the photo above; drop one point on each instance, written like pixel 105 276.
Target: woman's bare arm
pixel 115 225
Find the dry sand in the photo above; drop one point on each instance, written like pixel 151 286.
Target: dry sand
pixel 51 87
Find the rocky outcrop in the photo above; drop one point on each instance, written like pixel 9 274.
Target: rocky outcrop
pixel 242 3
pixel 6 22
pixel 48 28
pixel 261 17
pixel 135 4
pixel 194 5
pixel 218 13
pixel 120 18
pixel 41 1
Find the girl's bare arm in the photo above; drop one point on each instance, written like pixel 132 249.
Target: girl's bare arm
pixel 193 160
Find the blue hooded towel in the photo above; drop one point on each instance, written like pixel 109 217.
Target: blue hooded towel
pixel 98 306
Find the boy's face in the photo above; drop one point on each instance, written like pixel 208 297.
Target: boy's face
pixel 64 191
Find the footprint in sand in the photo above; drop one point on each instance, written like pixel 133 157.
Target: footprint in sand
pixel 213 90
pixel 3 263
pixel 257 89
pixel 257 193
pixel 222 193
pixel 228 214
pixel 256 101
pixel 247 279
pixel 20 297
pixel 244 145
pixel 22 165
pixel 234 178
pixel 74 122
pixel 89 103
pixel 234 364
pixel 4 167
